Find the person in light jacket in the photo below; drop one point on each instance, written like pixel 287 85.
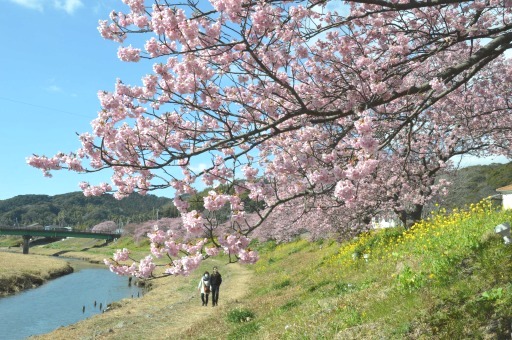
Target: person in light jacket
pixel 204 288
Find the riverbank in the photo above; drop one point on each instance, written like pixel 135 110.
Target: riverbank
pixel 49 260
pixel 19 272
pixel 170 310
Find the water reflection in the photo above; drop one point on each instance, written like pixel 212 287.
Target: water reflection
pixel 62 302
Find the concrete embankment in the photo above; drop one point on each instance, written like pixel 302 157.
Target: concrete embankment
pixel 20 271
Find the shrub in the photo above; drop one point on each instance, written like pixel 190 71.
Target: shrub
pixel 240 315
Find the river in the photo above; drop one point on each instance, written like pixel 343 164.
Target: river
pixel 62 301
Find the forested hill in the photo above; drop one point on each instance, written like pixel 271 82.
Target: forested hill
pixel 74 209
pixel 474 183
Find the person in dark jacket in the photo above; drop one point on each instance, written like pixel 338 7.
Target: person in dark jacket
pixel 215 281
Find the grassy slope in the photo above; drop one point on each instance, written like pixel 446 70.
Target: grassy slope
pixel 19 272
pixel 91 250
pixel 449 277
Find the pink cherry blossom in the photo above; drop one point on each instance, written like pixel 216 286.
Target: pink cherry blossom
pixel 128 53
pixel 121 255
pixel 215 201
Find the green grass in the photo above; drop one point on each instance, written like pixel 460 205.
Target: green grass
pixel 83 248
pixel 450 276
pixel 11 241
pixel 240 315
pixel 93 246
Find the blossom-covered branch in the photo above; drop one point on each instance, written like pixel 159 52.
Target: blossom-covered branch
pixel 316 105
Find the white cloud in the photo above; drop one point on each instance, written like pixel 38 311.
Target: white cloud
pixel 467 160
pixel 31 4
pixel 68 6
pixel 198 168
pixel 54 88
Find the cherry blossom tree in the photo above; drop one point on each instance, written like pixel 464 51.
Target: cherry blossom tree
pixel 105 227
pixel 351 107
pixel 139 231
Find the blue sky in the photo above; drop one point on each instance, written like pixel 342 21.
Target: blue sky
pixel 52 65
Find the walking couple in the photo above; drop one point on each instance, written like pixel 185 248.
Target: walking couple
pixel 210 284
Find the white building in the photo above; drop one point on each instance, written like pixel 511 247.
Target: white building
pixel 382 222
pixel 506 193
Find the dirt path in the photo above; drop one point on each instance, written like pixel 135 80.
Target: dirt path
pixel 166 312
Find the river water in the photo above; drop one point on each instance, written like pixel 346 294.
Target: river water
pixel 62 301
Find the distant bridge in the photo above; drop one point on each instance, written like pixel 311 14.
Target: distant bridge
pixel 28 233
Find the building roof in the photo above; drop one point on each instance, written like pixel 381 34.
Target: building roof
pixel 505 188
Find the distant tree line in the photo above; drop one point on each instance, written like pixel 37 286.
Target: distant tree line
pixel 76 210
pixel 81 212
